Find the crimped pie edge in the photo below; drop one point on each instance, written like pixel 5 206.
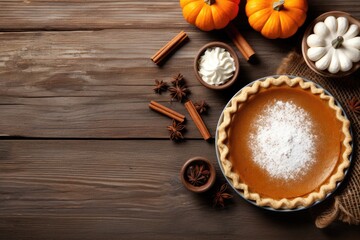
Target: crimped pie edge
pixel 224 151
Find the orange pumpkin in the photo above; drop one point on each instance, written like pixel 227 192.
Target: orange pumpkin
pixel 276 18
pixel 209 14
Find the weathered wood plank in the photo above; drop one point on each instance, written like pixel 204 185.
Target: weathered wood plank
pixel 83 14
pixel 77 189
pixel 86 83
pixel 97 84
pixel 104 14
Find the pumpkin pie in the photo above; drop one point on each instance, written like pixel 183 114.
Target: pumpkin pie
pixel 284 143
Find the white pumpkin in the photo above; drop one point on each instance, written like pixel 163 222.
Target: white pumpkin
pixel 334 45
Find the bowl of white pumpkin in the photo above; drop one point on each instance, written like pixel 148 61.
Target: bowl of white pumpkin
pixel 331 44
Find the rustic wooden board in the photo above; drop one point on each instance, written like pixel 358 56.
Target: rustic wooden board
pixel 84 84
pixel 104 14
pixel 119 190
pixel 81 69
pixel 97 84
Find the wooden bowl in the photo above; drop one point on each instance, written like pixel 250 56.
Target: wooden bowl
pixel 208 184
pixel 232 54
pixel 305 47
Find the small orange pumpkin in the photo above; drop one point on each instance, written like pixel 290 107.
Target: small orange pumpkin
pixel 209 14
pixel 276 18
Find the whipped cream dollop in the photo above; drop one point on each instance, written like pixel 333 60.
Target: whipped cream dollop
pixel 216 66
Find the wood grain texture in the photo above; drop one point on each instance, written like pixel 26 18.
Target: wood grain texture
pixel 76 69
pixel 97 84
pixel 93 14
pixel 105 14
pixel 118 190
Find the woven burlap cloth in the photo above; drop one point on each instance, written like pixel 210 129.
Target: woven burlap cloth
pixel 345 205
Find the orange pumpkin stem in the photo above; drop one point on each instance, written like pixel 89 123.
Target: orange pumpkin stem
pixel 209 2
pixel 278 5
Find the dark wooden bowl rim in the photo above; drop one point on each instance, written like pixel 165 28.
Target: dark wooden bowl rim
pixel 233 55
pixel 305 47
pixel 210 182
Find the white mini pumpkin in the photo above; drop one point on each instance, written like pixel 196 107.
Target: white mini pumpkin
pixel 334 45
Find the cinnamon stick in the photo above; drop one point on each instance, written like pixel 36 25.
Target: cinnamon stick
pixel 239 41
pixel 166 111
pixel 197 120
pixel 169 47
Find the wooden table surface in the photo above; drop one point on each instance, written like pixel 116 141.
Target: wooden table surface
pixel 81 154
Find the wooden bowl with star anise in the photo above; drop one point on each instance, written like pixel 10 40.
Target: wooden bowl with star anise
pixel 198 174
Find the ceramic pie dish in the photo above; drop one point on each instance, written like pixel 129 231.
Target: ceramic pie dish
pixel 283 143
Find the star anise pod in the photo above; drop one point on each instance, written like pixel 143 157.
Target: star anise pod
pixel 354 105
pixel 178 80
pixel 221 195
pixel 201 106
pixel 178 92
pixel 175 131
pixel 160 86
pixel 198 174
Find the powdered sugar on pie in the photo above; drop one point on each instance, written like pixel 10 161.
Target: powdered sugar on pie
pixel 283 143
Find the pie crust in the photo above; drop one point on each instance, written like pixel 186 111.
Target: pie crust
pixel 305 200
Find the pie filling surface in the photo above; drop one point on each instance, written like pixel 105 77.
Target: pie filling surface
pixel 284 143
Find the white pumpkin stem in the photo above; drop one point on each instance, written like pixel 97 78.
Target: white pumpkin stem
pixel 209 2
pixel 337 42
pixel 278 5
